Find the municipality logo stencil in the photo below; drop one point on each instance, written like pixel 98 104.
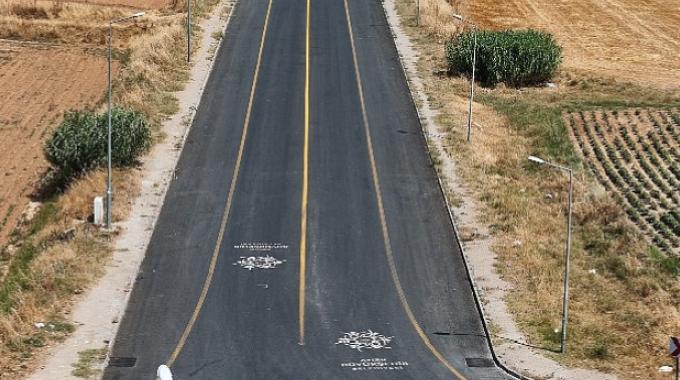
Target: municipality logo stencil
pixel 259 262
pixel 365 340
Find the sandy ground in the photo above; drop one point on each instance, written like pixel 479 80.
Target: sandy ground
pixel 99 311
pixel 36 86
pixel 631 40
pixel 510 344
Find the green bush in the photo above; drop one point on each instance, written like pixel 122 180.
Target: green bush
pixel 80 142
pixel 513 57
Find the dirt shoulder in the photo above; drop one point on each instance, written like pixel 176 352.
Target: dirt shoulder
pixel 98 312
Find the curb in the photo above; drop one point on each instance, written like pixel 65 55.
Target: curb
pixel 475 292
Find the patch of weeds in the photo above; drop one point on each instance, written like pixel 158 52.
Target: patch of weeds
pixel 667 264
pixel 599 351
pixel 46 214
pixel 218 35
pixel 550 334
pixel 10 210
pixel 88 360
pixel 17 277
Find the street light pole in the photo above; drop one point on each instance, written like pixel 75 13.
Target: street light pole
pixel 472 80
pixel 567 253
pixel 109 184
pixel 417 12
pixel 188 31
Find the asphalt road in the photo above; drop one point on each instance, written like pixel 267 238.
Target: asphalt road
pixel 306 153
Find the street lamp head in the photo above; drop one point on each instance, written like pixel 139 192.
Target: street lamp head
pixel 536 160
pixel 459 17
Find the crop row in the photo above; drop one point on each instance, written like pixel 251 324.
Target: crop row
pixel 640 170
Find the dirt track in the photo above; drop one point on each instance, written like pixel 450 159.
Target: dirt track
pixel 632 40
pixel 36 87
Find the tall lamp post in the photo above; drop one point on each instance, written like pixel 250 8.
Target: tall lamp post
pixel 109 186
pixel 474 66
pixel 417 12
pixel 567 254
pixel 188 31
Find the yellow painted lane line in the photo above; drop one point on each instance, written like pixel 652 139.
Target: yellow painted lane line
pixel 305 186
pixel 383 220
pixel 225 216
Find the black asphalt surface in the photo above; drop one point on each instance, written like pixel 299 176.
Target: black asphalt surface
pixel 248 327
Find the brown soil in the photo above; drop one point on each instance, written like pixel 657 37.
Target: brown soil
pixel 631 40
pixel 36 86
pixel 140 4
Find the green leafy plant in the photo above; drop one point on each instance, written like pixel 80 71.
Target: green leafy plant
pixel 513 57
pixel 80 142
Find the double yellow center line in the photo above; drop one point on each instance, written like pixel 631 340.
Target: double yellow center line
pixel 305 188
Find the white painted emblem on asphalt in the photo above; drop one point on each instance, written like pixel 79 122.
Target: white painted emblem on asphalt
pixel 365 340
pixel 375 364
pixel 260 247
pixel 259 262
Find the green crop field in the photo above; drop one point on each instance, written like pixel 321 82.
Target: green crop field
pixel 635 155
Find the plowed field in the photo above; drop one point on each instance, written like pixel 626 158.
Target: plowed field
pixel 141 4
pixel 36 87
pixel 632 40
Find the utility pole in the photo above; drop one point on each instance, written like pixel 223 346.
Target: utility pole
pixel 472 80
pixel 109 184
pixel 567 253
pixel 188 31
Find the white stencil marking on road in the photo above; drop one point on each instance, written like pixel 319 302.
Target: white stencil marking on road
pixel 365 340
pixel 259 262
pixel 375 364
pixel 261 247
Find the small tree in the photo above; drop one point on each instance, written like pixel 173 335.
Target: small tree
pixel 79 144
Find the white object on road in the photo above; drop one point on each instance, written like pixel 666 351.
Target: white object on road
pixel 98 211
pixel 665 369
pixel 164 373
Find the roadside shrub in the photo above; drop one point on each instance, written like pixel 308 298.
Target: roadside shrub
pixel 513 57
pixel 80 142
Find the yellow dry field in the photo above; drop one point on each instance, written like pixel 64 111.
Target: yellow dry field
pixel 36 86
pixel 631 40
pixel 141 4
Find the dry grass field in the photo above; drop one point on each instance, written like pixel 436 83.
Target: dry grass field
pixel 631 40
pixel 37 85
pixel 137 4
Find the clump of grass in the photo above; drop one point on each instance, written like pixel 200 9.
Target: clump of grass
pixel 88 360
